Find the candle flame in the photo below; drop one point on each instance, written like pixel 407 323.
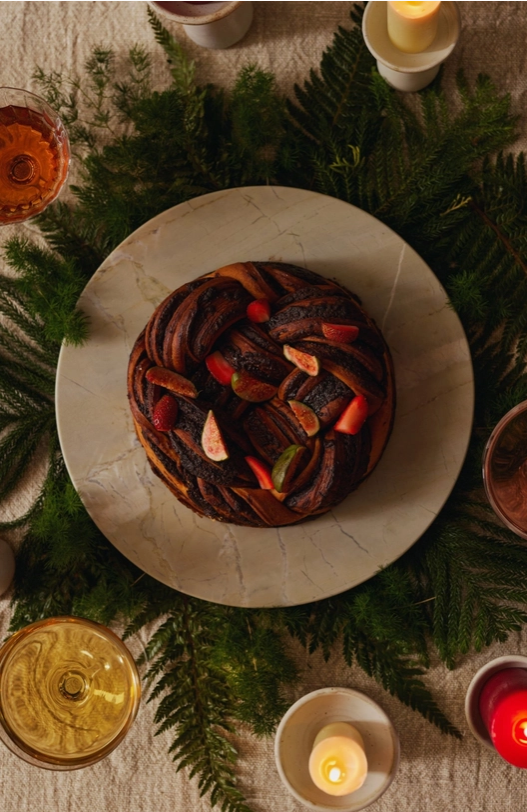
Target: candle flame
pixel 334 770
pixel 519 731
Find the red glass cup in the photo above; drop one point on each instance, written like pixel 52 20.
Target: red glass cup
pixel 496 707
pixel 503 708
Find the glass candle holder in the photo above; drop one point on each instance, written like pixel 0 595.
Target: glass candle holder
pixel 34 155
pixel 69 692
pixel 505 469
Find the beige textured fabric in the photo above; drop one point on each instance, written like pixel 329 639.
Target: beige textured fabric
pixel 436 772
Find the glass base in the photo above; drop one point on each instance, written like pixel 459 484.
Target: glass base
pixel 69 692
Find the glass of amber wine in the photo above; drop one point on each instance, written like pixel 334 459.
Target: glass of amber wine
pixel 69 692
pixel 34 155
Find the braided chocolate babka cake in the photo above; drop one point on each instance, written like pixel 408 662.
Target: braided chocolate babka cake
pixel 262 393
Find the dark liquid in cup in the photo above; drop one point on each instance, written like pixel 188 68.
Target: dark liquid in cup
pixel 507 471
pixel 196 9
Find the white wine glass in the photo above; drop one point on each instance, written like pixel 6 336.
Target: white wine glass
pixel 69 692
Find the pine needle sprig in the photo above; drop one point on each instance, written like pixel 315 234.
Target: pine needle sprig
pixel 50 287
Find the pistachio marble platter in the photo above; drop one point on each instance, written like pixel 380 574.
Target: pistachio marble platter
pixel 284 566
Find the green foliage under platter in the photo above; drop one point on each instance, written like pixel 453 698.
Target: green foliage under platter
pixel 433 169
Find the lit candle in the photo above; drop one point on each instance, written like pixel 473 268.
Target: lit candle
pixel 412 26
pixel 338 762
pixel 503 708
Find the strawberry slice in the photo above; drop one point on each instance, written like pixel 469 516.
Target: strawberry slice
pixel 165 413
pixel 353 417
pixel 262 472
pixel 342 333
pixel 219 368
pixel 259 310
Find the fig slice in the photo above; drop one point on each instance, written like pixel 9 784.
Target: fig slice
pixel 251 389
pixel 261 471
pixel 354 416
pixel 341 333
pixel 219 368
pixel 212 441
pixel 286 467
pixel 165 413
pixel 305 416
pixel 309 364
pixel 259 310
pixel 169 379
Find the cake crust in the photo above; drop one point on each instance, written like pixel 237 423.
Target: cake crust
pixel 209 315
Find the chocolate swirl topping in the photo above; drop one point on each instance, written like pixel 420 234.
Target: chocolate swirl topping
pixel 210 315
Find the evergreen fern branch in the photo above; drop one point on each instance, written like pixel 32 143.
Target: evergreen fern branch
pixel 182 69
pixel 401 677
pixel 196 703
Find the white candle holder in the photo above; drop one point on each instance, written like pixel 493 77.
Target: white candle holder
pixel 475 722
pixel 217 27
pixel 298 729
pixel 409 72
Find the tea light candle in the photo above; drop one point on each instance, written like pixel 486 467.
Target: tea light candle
pixel 338 764
pixel 412 26
pixel 503 708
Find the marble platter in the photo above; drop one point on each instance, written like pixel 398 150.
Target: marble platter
pixel 287 566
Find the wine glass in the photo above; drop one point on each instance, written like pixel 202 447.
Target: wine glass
pixel 505 469
pixel 34 155
pixel 69 692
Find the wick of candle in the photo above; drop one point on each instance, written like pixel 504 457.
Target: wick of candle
pixel 520 732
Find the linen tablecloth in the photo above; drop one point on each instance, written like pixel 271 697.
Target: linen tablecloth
pixel 437 773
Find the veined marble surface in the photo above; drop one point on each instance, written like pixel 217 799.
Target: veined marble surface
pixel 278 566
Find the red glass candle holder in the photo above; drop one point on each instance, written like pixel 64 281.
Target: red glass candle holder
pixel 496 708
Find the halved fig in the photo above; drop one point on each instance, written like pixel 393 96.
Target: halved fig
pixel 251 389
pixel 343 333
pixel 309 364
pixel 305 416
pixel 219 368
pixel 354 416
pixel 212 441
pixel 165 413
pixel 261 471
pixel 169 379
pixel 259 310
pixel 286 467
